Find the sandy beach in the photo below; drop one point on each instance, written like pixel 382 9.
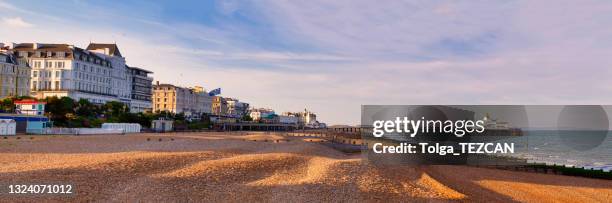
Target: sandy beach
pixel 257 167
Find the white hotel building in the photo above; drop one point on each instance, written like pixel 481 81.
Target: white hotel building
pixel 98 73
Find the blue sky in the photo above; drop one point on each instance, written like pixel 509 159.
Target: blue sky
pixel 333 56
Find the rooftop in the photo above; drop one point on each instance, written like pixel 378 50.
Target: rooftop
pixel 113 50
pixel 140 69
pixel 69 51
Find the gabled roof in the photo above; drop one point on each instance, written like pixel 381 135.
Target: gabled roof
pixel 70 51
pixel 42 47
pixel 113 49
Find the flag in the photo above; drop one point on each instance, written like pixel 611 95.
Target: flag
pixel 215 92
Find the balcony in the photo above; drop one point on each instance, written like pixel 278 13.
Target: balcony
pixel 65 90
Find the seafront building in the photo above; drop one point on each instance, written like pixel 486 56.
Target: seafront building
pixel 258 113
pixel 219 106
pixel 98 73
pixel 306 119
pixel 120 74
pixel 284 119
pixel 142 90
pixel 190 101
pixel 236 108
pixel 203 99
pixel 67 71
pixel 14 75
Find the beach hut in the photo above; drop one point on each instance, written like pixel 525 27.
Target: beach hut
pixel 7 127
pixel 125 127
pixel 28 123
pixel 30 107
pixel 162 125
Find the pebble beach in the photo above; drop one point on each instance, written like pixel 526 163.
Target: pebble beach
pixel 234 167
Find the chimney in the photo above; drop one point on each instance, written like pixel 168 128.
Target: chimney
pixel 35 45
pixel 157 83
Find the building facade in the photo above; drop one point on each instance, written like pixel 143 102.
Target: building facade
pixel 287 119
pixel 142 90
pixel 171 98
pixel 14 75
pixel 258 113
pixel 98 74
pixel 120 74
pixel 235 108
pixel 66 71
pixel 305 118
pixel 204 98
pixel 219 106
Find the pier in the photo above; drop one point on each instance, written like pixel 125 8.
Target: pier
pixel 255 127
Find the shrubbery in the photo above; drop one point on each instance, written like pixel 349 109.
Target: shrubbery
pixel 66 112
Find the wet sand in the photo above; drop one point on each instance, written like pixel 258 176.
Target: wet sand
pixel 257 167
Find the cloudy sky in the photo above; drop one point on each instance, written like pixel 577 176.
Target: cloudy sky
pixel 334 56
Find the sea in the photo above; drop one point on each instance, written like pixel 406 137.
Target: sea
pixel 554 148
pixel 549 147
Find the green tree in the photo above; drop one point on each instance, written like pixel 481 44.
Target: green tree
pixel 7 105
pixel 246 118
pixel 179 117
pixel 60 110
pixel 85 108
pixel 115 109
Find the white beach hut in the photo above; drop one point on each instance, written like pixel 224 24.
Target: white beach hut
pixel 125 127
pixel 7 127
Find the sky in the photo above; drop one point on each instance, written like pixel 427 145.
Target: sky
pixel 331 57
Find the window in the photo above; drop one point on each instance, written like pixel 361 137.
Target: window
pixel 34 85
pixel 57 74
pixel 57 85
pixel 35 73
